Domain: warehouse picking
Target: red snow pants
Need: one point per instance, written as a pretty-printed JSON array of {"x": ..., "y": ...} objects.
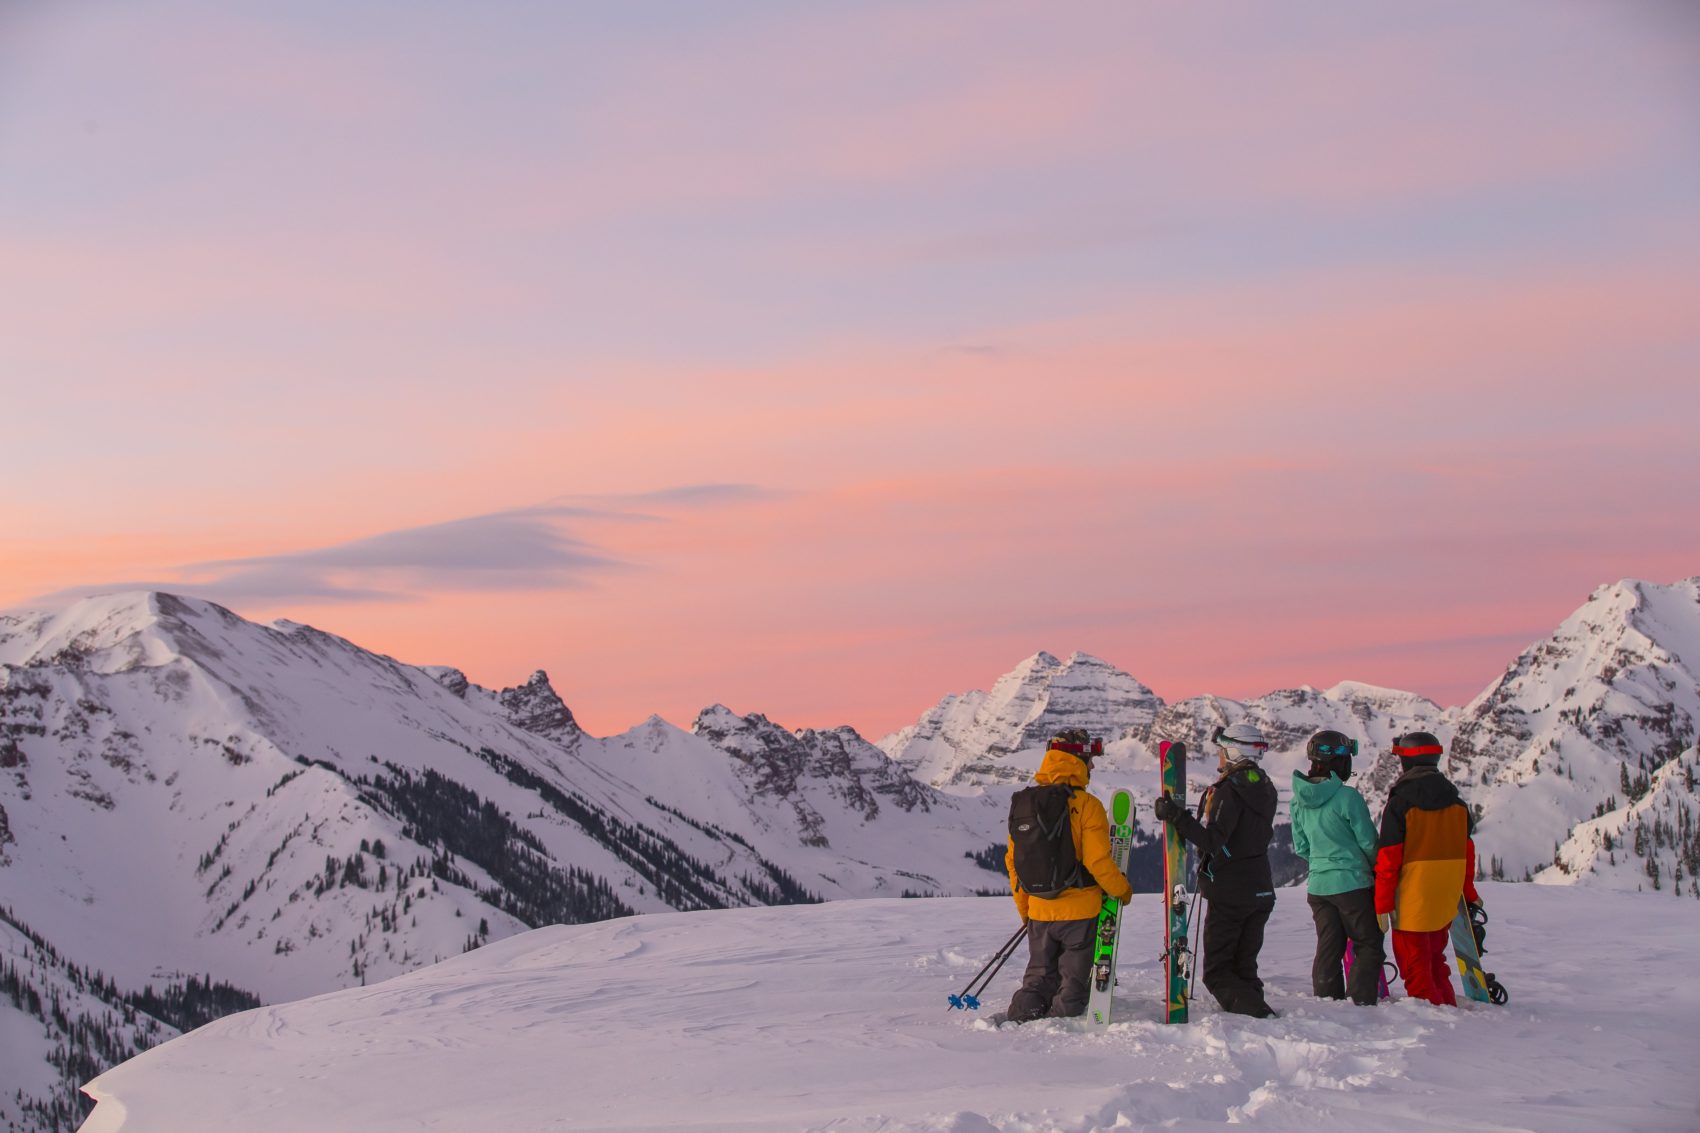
[{"x": 1421, "y": 957}]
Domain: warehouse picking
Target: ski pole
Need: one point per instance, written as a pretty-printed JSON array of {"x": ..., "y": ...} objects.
[
  {"x": 1197, "y": 937},
  {"x": 1010, "y": 951},
  {"x": 967, "y": 997}
]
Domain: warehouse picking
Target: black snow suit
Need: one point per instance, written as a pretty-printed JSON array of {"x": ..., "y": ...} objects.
[{"x": 1238, "y": 820}]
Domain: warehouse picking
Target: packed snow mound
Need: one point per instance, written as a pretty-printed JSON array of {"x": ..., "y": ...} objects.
[{"x": 833, "y": 1017}]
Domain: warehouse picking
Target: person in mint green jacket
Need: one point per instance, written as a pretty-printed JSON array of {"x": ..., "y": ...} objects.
[{"x": 1333, "y": 832}]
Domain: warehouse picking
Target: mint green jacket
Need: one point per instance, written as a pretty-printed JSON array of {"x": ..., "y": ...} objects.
[{"x": 1332, "y": 830}]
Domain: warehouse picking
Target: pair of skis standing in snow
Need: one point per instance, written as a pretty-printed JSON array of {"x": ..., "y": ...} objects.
[{"x": 1070, "y": 902}]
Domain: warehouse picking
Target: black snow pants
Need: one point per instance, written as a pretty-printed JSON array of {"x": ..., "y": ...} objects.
[
  {"x": 1341, "y": 917},
  {"x": 1233, "y": 936},
  {"x": 1059, "y": 970}
]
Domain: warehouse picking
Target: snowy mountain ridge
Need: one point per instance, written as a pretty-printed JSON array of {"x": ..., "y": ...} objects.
[
  {"x": 184, "y": 792},
  {"x": 1612, "y": 695}
]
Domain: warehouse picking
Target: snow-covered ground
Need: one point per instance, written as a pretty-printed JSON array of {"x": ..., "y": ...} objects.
[{"x": 833, "y": 1017}]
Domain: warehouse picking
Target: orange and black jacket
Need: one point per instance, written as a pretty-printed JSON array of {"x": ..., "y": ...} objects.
[
  {"x": 1090, "y": 827},
  {"x": 1425, "y": 859}
]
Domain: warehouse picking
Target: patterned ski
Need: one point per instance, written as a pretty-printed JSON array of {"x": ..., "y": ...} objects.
[
  {"x": 1479, "y": 984},
  {"x": 1110, "y": 914},
  {"x": 1177, "y": 958}
]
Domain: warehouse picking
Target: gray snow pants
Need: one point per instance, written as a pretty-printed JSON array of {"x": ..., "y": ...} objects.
[
  {"x": 1341, "y": 917},
  {"x": 1059, "y": 970}
]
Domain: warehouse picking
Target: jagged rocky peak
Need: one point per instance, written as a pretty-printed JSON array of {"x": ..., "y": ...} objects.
[
  {"x": 1043, "y": 696},
  {"x": 782, "y": 762},
  {"x": 717, "y": 722},
  {"x": 1621, "y": 672},
  {"x": 980, "y": 738},
  {"x": 449, "y": 677},
  {"x": 537, "y": 708}
]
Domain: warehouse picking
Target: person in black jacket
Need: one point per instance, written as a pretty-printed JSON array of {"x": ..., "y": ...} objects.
[{"x": 1238, "y": 819}]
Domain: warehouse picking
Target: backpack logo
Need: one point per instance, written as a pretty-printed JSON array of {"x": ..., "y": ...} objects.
[{"x": 1045, "y": 859}]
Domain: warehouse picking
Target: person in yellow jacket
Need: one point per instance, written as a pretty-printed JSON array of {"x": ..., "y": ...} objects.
[{"x": 1060, "y": 927}]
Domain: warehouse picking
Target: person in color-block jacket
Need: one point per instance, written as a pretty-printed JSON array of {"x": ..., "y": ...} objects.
[
  {"x": 1425, "y": 861},
  {"x": 1334, "y": 833},
  {"x": 1060, "y": 928}
]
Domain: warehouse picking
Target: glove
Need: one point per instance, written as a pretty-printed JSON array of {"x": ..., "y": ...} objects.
[
  {"x": 1384, "y": 921},
  {"x": 1167, "y": 809}
]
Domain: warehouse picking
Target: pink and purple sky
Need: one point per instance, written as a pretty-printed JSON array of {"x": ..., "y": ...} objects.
[{"x": 822, "y": 359}]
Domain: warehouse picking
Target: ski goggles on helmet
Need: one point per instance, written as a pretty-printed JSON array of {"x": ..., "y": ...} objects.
[
  {"x": 1229, "y": 741},
  {"x": 1090, "y": 749},
  {"x": 1347, "y": 749}
]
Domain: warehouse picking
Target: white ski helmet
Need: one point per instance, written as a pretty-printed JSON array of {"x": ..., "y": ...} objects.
[{"x": 1241, "y": 741}]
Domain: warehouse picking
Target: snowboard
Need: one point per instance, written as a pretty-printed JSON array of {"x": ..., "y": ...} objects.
[
  {"x": 1109, "y": 928},
  {"x": 1479, "y": 984},
  {"x": 1177, "y": 958}
]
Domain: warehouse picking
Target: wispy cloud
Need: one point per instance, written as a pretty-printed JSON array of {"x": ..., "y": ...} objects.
[{"x": 542, "y": 548}]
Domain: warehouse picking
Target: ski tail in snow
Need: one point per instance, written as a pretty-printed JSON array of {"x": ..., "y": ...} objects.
[
  {"x": 1108, "y": 932},
  {"x": 1177, "y": 957},
  {"x": 1479, "y": 983}
]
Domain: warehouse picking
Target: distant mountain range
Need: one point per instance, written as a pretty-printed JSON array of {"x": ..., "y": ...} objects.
[{"x": 272, "y": 811}]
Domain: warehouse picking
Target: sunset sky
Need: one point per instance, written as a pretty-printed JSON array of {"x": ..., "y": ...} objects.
[{"x": 822, "y": 359}]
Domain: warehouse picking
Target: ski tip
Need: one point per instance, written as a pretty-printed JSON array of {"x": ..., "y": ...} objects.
[{"x": 1163, "y": 747}]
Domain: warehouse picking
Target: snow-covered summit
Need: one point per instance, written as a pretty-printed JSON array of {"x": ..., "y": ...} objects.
[
  {"x": 977, "y": 739},
  {"x": 184, "y": 791},
  {"x": 105, "y": 634},
  {"x": 1613, "y": 694},
  {"x": 972, "y": 741}
]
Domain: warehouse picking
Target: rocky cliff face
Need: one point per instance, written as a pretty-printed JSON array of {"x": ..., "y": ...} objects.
[
  {"x": 1610, "y": 699},
  {"x": 979, "y": 739}
]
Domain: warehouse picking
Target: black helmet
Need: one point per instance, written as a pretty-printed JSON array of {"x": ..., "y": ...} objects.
[
  {"x": 1331, "y": 751},
  {"x": 1417, "y": 749}
]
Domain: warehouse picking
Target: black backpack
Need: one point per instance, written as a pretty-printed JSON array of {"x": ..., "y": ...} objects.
[{"x": 1045, "y": 861}]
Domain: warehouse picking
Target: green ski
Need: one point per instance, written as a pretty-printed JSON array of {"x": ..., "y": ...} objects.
[
  {"x": 1110, "y": 914},
  {"x": 1177, "y": 958}
]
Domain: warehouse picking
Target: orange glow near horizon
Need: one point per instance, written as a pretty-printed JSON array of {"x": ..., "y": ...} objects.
[{"x": 1241, "y": 362}]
